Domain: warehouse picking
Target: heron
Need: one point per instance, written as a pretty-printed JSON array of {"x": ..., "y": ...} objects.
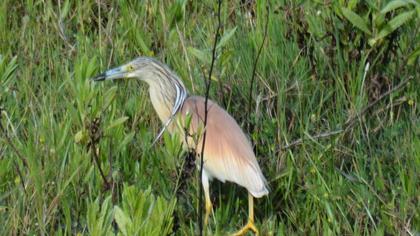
[{"x": 228, "y": 154}]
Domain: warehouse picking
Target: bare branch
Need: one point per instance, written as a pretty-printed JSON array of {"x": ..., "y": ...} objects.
[
  {"x": 254, "y": 69},
  {"x": 208, "y": 83},
  {"x": 95, "y": 135}
]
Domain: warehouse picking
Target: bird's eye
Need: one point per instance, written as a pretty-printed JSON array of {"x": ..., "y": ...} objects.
[{"x": 130, "y": 68}]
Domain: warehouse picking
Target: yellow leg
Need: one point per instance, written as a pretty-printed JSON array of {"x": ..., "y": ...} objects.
[
  {"x": 208, "y": 211},
  {"x": 250, "y": 225},
  {"x": 205, "y": 182}
]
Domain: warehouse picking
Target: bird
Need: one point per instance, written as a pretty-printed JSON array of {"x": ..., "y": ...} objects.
[{"x": 228, "y": 154}]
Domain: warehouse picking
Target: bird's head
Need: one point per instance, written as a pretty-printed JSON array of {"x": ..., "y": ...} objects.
[
  {"x": 167, "y": 91},
  {"x": 141, "y": 68}
]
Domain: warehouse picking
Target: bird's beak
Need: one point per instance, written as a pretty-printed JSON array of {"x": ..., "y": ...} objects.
[{"x": 116, "y": 73}]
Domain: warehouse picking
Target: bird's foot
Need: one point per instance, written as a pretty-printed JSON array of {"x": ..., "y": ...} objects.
[{"x": 249, "y": 226}]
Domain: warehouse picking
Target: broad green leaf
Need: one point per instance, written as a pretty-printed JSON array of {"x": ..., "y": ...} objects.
[
  {"x": 122, "y": 220},
  {"x": 378, "y": 19},
  {"x": 372, "y": 5},
  {"x": 226, "y": 37},
  {"x": 142, "y": 213},
  {"x": 91, "y": 67},
  {"x": 99, "y": 217},
  {"x": 413, "y": 56},
  {"x": 92, "y": 212},
  {"x": 6, "y": 70},
  {"x": 140, "y": 42},
  {"x": 394, "y": 24},
  {"x": 356, "y": 20},
  {"x": 109, "y": 97},
  {"x": 200, "y": 55},
  {"x": 352, "y": 4},
  {"x": 117, "y": 122},
  {"x": 392, "y": 5},
  {"x": 65, "y": 9},
  {"x": 128, "y": 138}
]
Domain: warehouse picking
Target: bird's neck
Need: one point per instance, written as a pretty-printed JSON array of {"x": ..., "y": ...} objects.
[
  {"x": 162, "y": 103},
  {"x": 167, "y": 96},
  {"x": 167, "y": 93}
]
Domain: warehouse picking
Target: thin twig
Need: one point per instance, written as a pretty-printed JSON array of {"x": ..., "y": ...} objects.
[
  {"x": 317, "y": 136},
  {"x": 208, "y": 83},
  {"x": 19, "y": 172},
  {"x": 110, "y": 161},
  {"x": 60, "y": 27},
  {"x": 9, "y": 141},
  {"x": 95, "y": 136},
  {"x": 96, "y": 159},
  {"x": 254, "y": 69},
  {"x": 351, "y": 121},
  {"x": 20, "y": 176}
]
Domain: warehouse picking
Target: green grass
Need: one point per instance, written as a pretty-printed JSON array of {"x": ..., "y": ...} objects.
[{"x": 310, "y": 79}]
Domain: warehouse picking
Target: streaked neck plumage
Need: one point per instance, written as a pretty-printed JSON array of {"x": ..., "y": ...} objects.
[{"x": 167, "y": 92}]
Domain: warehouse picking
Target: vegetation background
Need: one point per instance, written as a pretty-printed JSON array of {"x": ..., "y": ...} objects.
[{"x": 339, "y": 77}]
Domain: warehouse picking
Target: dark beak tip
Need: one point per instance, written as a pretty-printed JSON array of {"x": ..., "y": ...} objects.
[{"x": 99, "y": 77}]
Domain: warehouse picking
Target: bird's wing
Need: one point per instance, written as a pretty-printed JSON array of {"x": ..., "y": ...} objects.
[{"x": 228, "y": 154}]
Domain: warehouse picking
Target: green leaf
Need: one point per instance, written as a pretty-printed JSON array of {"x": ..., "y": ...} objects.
[
  {"x": 200, "y": 55},
  {"x": 413, "y": 56},
  {"x": 392, "y": 5},
  {"x": 393, "y": 24},
  {"x": 128, "y": 138},
  {"x": 99, "y": 217},
  {"x": 7, "y": 70},
  {"x": 142, "y": 213},
  {"x": 177, "y": 12},
  {"x": 356, "y": 20},
  {"x": 91, "y": 67},
  {"x": 117, "y": 122},
  {"x": 226, "y": 37},
  {"x": 352, "y": 4},
  {"x": 122, "y": 220},
  {"x": 140, "y": 42},
  {"x": 109, "y": 97},
  {"x": 65, "y": 9},
  {"x": 378, "y": 19}
]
